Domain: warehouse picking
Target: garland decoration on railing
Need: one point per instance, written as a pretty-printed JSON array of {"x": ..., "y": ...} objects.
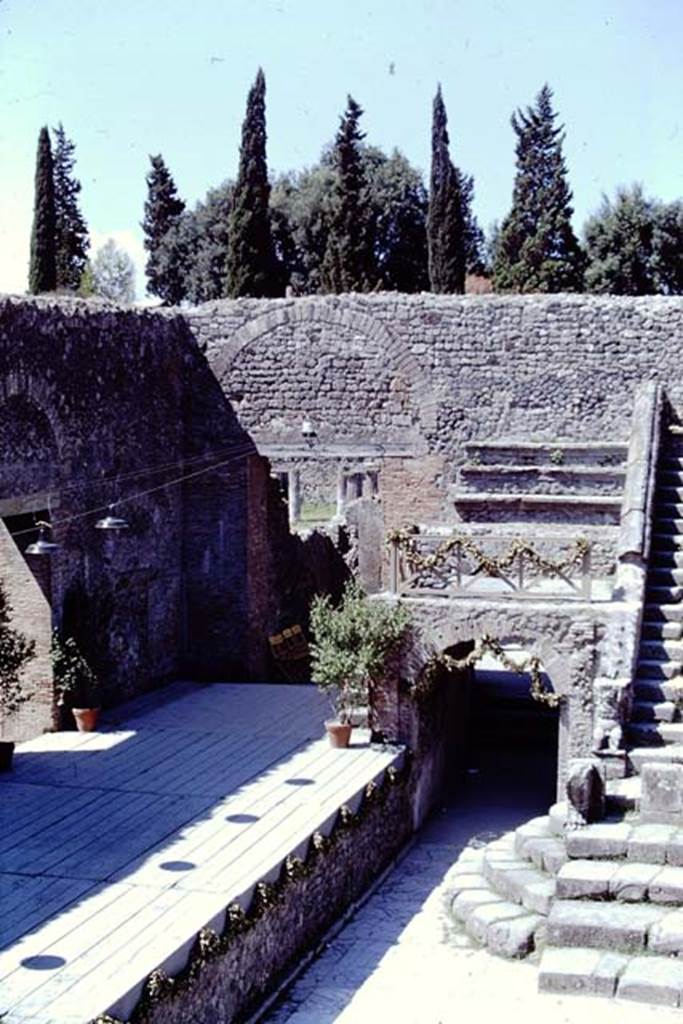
[
  {"x": 487, "y": 645},
  {"x": 407, "y": 541},
  {"x": 210, "y": 944}
]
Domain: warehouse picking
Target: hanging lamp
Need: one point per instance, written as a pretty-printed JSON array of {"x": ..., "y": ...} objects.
[
  {"x": 43, "y": 545},
  {"x": 112, "y": 522}
]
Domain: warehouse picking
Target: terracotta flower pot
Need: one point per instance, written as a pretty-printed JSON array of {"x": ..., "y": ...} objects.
[
  {"x": 85, "y": 718},
  {"x": 339, "y": 733},
  {"x": 6, "y": 754}
]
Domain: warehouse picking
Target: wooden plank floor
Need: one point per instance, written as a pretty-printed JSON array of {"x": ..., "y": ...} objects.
[{"x": 116, "y": 847}]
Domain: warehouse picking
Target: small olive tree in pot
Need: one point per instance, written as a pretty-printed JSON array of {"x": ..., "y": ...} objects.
[
  {"x": 351, "y": 643},
  {"x": 77, "y": 685},
  {"x": 15, "y": 652}
]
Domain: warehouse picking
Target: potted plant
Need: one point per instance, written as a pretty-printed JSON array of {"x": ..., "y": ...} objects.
[
  {"x": 78, "y": 687},
  {"x": 15, "y": 652},
  {"x": 350, "y": 646}
]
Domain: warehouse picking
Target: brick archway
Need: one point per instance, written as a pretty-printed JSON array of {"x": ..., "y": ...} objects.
[{"x": 331, "y": 314}]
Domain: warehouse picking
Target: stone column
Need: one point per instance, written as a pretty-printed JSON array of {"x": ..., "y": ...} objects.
[
  {"x": 341, "y": 492},
  {"x": 294, "y": 496}
]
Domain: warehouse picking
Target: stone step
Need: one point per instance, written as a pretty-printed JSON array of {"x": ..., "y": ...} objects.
[
  {"x": 537, "y": 843},
  {"x": 519, "y": 882},
  {"x": 620, "y": 927},
  {"x": 663, "y": 612},
  {"x": 661, "y": 576},
  {"x": 509, "y": 478},
  {"x": 669, "y": 754},
  {"x": 662, "y": 595},
  {"x": 661, "y": 650},
  {"x": 665, "y": 541},
  {"x": 655, "y": 734},
  {"x": 625, "y": 881},
  {"x": 662, "y": 630},
  {"x": 534, "y": 453},
  {"x": 623, "y": 794},
  {"x": 654, "y": 711},
  {"x": 650, "y": 668},
  {"x": 610, "y": 839},
  {"x": 667, "y": 495},
  {"x": 659, "y": 690},
  {"x": 594, "y": 972},
  {"x": 668, "y": 477},
  {"x": 505, "y": 928}
]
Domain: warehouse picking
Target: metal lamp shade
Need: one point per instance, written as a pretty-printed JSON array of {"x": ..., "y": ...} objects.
[
  {"x": 42, "y": 546},
  {"x": 111, "y": 522}
]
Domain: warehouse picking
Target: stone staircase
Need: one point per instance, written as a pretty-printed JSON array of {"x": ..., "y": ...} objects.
[
  {"x": 656, "y": 717},
  {"x": 601, "y": 906},
  {"x": 578, "y": 483}
]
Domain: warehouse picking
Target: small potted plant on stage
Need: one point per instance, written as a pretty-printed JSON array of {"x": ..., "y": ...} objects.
[
  {"x": 77, "y": 685},
  {"x": 351, "y": 643},
  {"x": 15, "y": 652}
]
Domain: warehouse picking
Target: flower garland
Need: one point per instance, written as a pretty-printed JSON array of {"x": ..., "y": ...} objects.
[
  {"x": 487, "y": 644},
  {"x": 210, "y": 944},
  {"x": 406, "y": 540}
]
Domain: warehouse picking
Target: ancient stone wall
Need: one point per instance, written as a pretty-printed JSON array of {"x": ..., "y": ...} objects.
[{"x": 99, "y": 406}]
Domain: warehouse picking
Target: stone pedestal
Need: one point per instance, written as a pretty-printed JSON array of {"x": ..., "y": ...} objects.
[{"x": 661, "y": 797}]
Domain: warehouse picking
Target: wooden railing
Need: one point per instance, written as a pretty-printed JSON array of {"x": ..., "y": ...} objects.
[{"x": 431, "y": 565}]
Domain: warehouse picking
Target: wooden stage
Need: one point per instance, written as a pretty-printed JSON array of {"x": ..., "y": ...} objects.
[{"x": 116, "y": 847}]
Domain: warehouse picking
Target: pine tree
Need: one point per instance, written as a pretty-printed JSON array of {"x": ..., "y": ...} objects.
[
  {"x": 42, "y": 275},
  {"x": 71, "y": 232},
  {"x": 347, "y": 264},
  {"x": 445, "y": 220},
  {"x": 163, "y": 209},
  {"x": 538, "y": 250},
  {"x": 251, "y": 266}
]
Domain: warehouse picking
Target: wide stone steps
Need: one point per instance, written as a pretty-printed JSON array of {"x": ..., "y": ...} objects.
[
  {"x": 625, "y": 881},
  {"x": 662, "y": 630},
  {"x": 661, "y": 650},
  {"x": 655, "y": 734},
  {"x": 659, "y": 690},
  {"x": 664, "y": 576},
  {"x": 654, "y": 669},
  {"x": 663, "y": 612},
  {"x": 619, "y": 927},
  {"x": 654, "y": 711},
  {"x": 583, "y": 971},
  {"x": 607, "y": 840},
  {"x": 656, "y": 594},
  {"x": 668, "y": 754}
]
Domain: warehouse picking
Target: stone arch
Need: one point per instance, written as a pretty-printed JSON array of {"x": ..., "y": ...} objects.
[
  {"x": 332, "y": 313},
  {"x": 507, "y": 630},
  {"x": 29, "y": 446}
]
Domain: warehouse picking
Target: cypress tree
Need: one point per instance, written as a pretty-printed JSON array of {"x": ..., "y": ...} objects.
[
  {"x": 42, "y": 275},
  {"x": 538, "y": 250},
  {"x": 163, "y": 210},
  {"x": 71, "y": 232},
  {"x": 251, "y": 265},
  {"x": 446, "y": 216},
  {"x": 347, "y": 263}
]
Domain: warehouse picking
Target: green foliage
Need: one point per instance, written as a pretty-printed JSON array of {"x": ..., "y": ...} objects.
[
  {"x": 201, "y": 235},
  {"x": 113, "y": 274},
  {"x": 76, "y": 684},
  {"x": 251, "y": 267},
  {"x": 351, "y": 644},
  {"x": 537, "y": 250},
  {"x": 635, "y": 246},
  {"x": 446, "y": 219},
  {"x": 163, "y": 209},
  {"x": 15, "y": 652},
  {"x": 42, "y": 274},
  {"x": 347, "y": 263},
  {"x": 71, "y": 232},
  {"x": 86, "y": 288}
]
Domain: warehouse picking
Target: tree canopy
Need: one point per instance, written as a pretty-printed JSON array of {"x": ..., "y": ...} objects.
[
  {"x": 71, "y": 231},
  {"x": 42, "y": 275},
  {"x": 446, "y": 220},
  {"x": 347, "y": 264},
  {"x": 635, "y": 245},
  {"x": 163, "y": 209},
  {"x": 251, "y": 266},
  {"x": 537, "y": 250},
  {"x": 113, "y": 274}
]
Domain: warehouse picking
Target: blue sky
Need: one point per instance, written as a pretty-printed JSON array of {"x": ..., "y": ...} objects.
[{"x": 136, "y": 77}]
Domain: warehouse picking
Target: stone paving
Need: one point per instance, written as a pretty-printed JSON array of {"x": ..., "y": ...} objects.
[{"x": 402, "y": 958}]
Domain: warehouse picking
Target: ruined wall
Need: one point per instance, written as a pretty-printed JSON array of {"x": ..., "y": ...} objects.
[
  {"x": 437, "y": 369},
  {"x": 99, "y": 405}
]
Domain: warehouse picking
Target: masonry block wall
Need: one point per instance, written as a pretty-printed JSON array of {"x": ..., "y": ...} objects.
[{"x": 98, "y": 405}]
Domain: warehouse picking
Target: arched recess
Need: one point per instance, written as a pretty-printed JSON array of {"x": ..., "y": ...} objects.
[
  {"x": 336, "y": 314},
  {"x": 29, "y": 450}
]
